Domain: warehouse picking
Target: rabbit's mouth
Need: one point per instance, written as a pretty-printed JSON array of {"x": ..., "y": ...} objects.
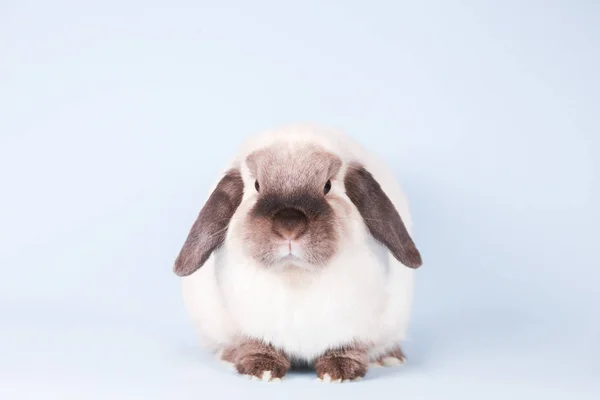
[
  {"x": 294, "y": 263},
  {"x": 289, "y": 250},
  {"x": 291, "y": 254},
  {"x": 291, "y": 258}
]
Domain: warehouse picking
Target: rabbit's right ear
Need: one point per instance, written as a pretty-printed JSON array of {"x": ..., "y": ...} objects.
[
  {"x": 209, "y": 231},
  {"x": 380, "y": 215}
]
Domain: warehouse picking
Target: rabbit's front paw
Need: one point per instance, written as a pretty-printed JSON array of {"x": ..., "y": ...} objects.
[
  {"x": 260, "y": 361},
  {"x": 342, "y": 365}
]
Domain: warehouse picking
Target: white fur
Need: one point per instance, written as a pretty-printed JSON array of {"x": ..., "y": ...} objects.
[
  {"x": 364, "y": 294},
  {"x": 391, "y": 361}
]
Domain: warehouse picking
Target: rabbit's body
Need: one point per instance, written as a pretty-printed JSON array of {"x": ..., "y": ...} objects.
[
  {"x": 363, "y": 295},
  {"x": 357, "y": 297}
]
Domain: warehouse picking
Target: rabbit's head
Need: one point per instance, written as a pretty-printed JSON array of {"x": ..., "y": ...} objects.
[{"x": 294, "y": 202}]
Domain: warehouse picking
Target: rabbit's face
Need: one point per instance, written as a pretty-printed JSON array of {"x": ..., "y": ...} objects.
[{"x": 295, "y": 215}]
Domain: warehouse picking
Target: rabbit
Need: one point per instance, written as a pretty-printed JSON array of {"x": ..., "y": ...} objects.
[{"x": 302, "y": 254}]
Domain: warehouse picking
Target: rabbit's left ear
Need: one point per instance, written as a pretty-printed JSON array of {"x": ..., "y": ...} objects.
[
  {"x": 209, "y": 231},
  {"x": 380, "y": 215}
]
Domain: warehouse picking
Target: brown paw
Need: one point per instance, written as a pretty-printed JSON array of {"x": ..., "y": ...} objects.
[
  {"x": 392, "y": 358},
  {"x": 259, "y": 361},
  {"x": 341, "y": 366},
  {"x": 261, "y": 367}
]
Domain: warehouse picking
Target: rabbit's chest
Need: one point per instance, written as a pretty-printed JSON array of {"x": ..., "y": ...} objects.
[{"x": 302, "y": 314}]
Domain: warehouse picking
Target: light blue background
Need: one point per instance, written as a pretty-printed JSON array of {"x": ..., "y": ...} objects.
[{"x": 116, "y": 116}]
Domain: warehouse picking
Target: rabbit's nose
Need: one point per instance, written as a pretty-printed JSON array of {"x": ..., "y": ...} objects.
[{"x": 290, "y": 223}]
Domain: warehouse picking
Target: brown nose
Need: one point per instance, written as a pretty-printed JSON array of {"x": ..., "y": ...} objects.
[{"x": 290, "y": 223}]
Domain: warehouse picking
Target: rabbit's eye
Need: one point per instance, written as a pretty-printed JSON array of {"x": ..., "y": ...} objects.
[
  {"x": 327, "y": 187},
  {"x": 256, "y": 186}
]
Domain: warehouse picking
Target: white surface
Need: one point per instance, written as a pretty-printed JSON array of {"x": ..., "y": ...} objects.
[{"x": 115, "y": 118}]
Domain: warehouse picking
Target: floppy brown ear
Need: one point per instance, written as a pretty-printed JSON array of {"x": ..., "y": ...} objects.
[
  {"x": 380, "y": 215},
  {"x": 209, "y": 231}
]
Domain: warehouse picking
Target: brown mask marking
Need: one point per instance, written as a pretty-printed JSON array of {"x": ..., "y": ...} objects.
[
  {"x": 380, "y": 215},
  {"x": 209, "y": 231},
  {"x": 291, "y": 203},
  {"x": 290, "y": 223}
]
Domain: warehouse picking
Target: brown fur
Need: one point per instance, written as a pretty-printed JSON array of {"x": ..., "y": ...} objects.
[
  {"x": 380, "y": 215},
  {"x": 290, "y": 223},
  {"x": 229, "y": 354},
  {"x": 253, "y": 357},
  {"x": 346, "y": 363},
  {"x": 209, "y": 231},
  {"x": 291, "y": 203}
]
